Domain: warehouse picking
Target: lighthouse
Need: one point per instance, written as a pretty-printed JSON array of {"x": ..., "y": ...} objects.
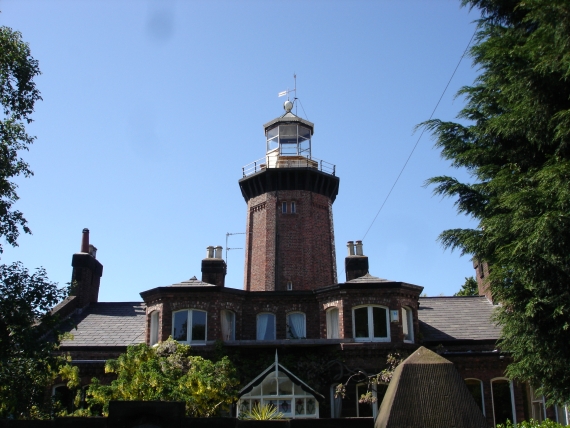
[{"x": 289, "y": 195}]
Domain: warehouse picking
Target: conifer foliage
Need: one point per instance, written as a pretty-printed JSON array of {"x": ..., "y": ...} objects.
[{"x": 514, "y": 140}]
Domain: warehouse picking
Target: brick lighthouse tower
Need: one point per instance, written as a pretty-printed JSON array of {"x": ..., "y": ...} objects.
[{"x": 289, "y": 195}]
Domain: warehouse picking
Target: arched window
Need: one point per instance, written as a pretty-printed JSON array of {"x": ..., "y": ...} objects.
[
  {"x": 63, "y": 395},
  {"x": 370, "y": 323},
  {"x": 296, "y": 325},
  {"x": 332, "y": 323},
  {"x": 189, "y": 326},
  {"x": 228, "y": 325},
  {"x": 475, "y": 387},
  {"x": 408, "y": 324},
  {"x": 153, "y": 328},
  {"x": 266, "y": 326},
  {"x": 502, "y": 395}
]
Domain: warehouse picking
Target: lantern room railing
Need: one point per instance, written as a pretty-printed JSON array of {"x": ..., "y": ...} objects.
[{"x": 288, "y": 162}]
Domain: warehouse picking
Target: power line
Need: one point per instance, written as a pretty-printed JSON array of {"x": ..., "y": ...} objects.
[{"x": 420, "y": 137}]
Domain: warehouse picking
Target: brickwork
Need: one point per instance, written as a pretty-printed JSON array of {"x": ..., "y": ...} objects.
[
  {"x": 296, "y": 248},
  {"x": 85, "y": 279},
  {"x": 482, "y": 277}
]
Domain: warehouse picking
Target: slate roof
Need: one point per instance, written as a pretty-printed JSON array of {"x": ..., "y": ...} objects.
[
  {"x": 367, "y": 279},
  {"x": 457, "y": 318},
  {"x": 107, "y": 324},
  {"x": 192, "y": 282}
]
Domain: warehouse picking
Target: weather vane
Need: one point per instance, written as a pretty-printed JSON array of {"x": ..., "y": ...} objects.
[{"x": 282, "y": 94}]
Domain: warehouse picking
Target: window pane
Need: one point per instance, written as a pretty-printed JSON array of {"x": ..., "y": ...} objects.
[
  {"x": 198, "y": 326},
  {"x": 304, "y": 132},
  {"x": 228, "y": 325},
  {"x": 295, "y": 326},
  {"x": 380, "y": 326},
  {"x": 272, "y": 133},
  {"x": 266, "y": 327},
  {"x": 364, "y": 409},
  {"x": 502, "y": 401},
  {"x": 154, "y": 328},
  {"x": 332, "y": 323},
  {"x": 361, "y": 322},
  {"x": 180, "y": 326},
  {"x": 474, "y": 387}
]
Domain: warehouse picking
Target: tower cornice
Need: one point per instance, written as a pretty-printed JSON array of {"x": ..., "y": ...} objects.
[{"x": 274, "y": 179}]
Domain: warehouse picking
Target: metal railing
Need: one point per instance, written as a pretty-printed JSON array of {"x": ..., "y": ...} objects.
[{"x": 285, "y": 162}]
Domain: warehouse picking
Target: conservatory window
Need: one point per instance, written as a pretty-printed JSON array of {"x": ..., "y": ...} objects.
[
  {"x": 279, "y": 390},
  {"x": 154, "y": 328},
  {"x": 228, "y": 325},
  {"x": 371, "y": 324},
  {"x": 265, "y": 326},
  {"x": 408, "y": 324},
  {"x": 296, "y": 325},
  {"x": 189, "y": 326},
  {"x": 332, "y": 323}
]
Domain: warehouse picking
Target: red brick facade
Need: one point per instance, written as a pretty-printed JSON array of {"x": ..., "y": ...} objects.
[{"x": 295, "y": 248}]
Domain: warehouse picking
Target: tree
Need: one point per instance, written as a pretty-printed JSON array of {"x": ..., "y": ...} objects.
[
  {"x": 516, "y": 146},
  {"x": 18, "y": 95},
  {"x": 167, "y": 372},
  {"x": 27, "y": 364},
  {"x": 469, "y": 288}
]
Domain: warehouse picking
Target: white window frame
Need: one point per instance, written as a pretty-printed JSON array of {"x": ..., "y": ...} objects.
[
  {"x": 371, "y": 337},
  {"x": 153, "y": 338},
  {"x": 330, "y": 322},
  {"x": 408, "y": 323},
  {"x": 482, "y": 392},
  {"x": 233, "y": 332},
  {"x": 304, "y": 332},
  {"x": 274, "y": 325},
  {"x": 189, "y": 327},
  {"x": 513, "y": 409}
]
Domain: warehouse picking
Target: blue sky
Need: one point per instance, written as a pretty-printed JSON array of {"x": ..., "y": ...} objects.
[{"x": 151, "y": 108}]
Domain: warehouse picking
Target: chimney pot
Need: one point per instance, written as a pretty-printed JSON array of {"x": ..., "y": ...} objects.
[
  {"x": 359, "y": 248},
  {"x": 219, "y": 252},
  {"x": 93, "y": 251},
  {"x": 210, "y": 252},
  {"x": 350, "y": 246},
  {"x": 85, "y": 241}
]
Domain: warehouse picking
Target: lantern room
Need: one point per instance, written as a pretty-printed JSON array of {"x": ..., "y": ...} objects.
[{"x": 288, "y": 139}]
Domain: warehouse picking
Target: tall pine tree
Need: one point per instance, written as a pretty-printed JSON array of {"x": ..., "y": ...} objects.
[{"x": 516, "y": 146}]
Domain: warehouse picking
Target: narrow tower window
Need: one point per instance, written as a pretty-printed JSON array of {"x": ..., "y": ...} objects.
[
  {"x": 293, "y": 208},
  {"x": 284, "y": 207}
]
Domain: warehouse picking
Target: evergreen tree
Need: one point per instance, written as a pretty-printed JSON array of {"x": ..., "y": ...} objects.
[
  {"x": 469, "y": 288},
  {"x": 516, "y": 146}
]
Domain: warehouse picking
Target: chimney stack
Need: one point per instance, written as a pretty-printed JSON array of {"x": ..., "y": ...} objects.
[
  {"x": 356, "y": 263},
  {"x": 86, "y": 273},
  {"x": 214, "y": 267}
]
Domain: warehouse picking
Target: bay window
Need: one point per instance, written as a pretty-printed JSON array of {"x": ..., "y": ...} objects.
[
  {"x": 189, "y": 326},
  {"x": 370, "y": 323}
]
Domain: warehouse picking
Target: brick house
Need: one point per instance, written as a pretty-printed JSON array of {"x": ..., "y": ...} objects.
[{"x": 293, "y": 305}]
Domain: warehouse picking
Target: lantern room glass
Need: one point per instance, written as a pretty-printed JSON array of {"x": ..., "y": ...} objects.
[{"x": 289, "y": 139}]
